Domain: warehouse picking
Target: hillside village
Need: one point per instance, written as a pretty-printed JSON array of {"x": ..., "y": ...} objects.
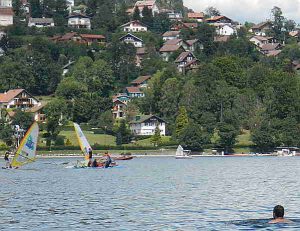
[{"x": 200, "y": 77}]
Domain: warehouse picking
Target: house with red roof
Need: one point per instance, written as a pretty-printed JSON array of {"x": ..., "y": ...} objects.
[
  {"x": 134, "y": 92},
  {"x": 94, "y": 39},
  {"x": 141, "y": 81},
  {"x": 18, "y": 99},
  {"x": 199, "y": 17},
  {"x": 134, "y": 26},
  {"x": 219, "y": 20}
]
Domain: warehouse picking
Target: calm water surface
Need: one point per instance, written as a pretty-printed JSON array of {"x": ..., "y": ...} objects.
[{"x": 151, "y": 194}]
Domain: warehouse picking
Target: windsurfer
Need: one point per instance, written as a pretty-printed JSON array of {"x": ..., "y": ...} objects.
[
  {"x": 6, "y": 158},
  {"x": 108, "y": 160}
]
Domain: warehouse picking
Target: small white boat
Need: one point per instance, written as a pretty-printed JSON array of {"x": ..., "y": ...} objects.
[{"x": 182, "y": 154}]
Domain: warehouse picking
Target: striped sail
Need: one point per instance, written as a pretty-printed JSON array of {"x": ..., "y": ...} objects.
[
  {"x": 26, "y": 152},
  {"x": 84, "y": 144}
]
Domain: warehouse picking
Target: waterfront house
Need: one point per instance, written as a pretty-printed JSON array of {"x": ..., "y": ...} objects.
[
  {"x": 199, "y": 17},
  {"x": 141, "y": 81},
  {"x": 261, "y": 28},
  {"x": 134, "y": 26},
  {"x": 6, "y": 16},
  {"x": 18, "y": 99},
  {"x": 186, "y": 60},
  {"x": 79, "y": 21},
  {"x": 41, "y": 22},
  {"x": 171, "y": 35},
  {"x": 134, "y": 92},
  {"x": 131, "y": 39},
  {"x": 145, "y": 125}
]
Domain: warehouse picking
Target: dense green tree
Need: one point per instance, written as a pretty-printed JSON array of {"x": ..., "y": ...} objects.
[
  {"x": 182, "y": 121},
  {"x": 147, "y": 17},
  {"x": 123, "y": 134},
  {"x": 23, "y": 119},
  {"x": 156, "y": 138},
  {"x": 69, "y": 88},
  {"x": 212, "y": 11},
  {"x": 136, "y": 14}
]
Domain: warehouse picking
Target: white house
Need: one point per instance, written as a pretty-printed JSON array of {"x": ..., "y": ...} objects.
[
  {"x": 134, "y": 26},
  {"x": 145, "y": 125},
  {"x": 119, "y": 109},
  {"x": 17, "y": 98},
  {"x": 225, "y": 30},
  {"x": 261, "y": 28},
  {"x": 219, "y": 20},
  {"x": 131, "y": 39},
  {"x": 6, "y": 16},
  {"x": 175, "y": 16},
  {"x": 261, "y": 40},
  {"x": 41, "y": 22},
  {"x": 79, "y": 21},
  {"x": 5, "y": 3},
  {"x": 150, "y": 4}
]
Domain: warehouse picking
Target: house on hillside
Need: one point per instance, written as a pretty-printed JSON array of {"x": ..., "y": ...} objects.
[
  {"x": 119, "y": 109},
  {"x": 219, "y": 20},
  {"x": 134, "y": 26},
  {"x": 145, "y": 125},
  {"x": 199, "y": 17},
  {"x": 177, "y": 26},
  {"x": 122, "y": 97},
  {"x": 6, "y": 16},
  {"x": 259, "y": 41},
  {"x": 271, "y": 49},
  {"x": 152, "y": 5},
  {"x": 41, "y": 22},
  {"x": 93, "y": 39},
  {"x": 38, "y": 112},
  {"x": 174, "y": 16},
  {"x": 193, "y": 45},
  {"x": 131, "y": 39},
  {"x": 186, "y": 60},
  {"x": 167, "y": 51},
  {"x": 222, "y": 38},
  {"x": 69, "y": 37},
  {"x": 179, "y": 42},
  {"x": 261, "y": 28},
  {"x": 141, "y": 81},
  {"x": 140, "y": 54},
  {"x": 171, "y": 35},
  {"x": 79, "y": 21},
  {"x": 134, "y": 92},
  {"x": 18, "y": 99},
  {"x": 225, "y": 30}
]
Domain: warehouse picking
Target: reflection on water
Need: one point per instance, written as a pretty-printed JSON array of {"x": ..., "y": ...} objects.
[{"x": 151, "y": 194}]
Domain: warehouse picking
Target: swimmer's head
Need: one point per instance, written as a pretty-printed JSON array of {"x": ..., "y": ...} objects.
[{"x": 278, "y": 211}]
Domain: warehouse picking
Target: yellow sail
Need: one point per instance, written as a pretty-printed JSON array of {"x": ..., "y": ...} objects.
[
  {"x": 26, "y": 152},
  {"x": 83, "y": 142}
]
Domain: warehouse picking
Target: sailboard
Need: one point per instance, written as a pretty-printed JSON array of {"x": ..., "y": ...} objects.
[
  {"x": 182, "y": 154},
  {"x": 83, "y": 142},
  {"x": 26, "y": 152}
]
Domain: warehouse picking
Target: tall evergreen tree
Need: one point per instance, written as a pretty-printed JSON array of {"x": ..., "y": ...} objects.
[
  {"x": 182, "y": 121},
  {"x": 136, "y": 14}
]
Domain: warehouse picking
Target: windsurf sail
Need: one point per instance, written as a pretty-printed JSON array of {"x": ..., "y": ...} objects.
[
  {"x": 179, "y": 151},
  {"x": 26, "y": 152},
  {"x": 83, "y": 142}
]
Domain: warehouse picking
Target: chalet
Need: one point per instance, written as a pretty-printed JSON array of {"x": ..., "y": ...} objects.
[
  {"x": 179, "y": 42},
  {"x": 17, "y": 98},
  {"x": 79, "y": 21},
  {"x": 222, "y": 38},
  {"x": 38, "y": 112},
  {"x": 219, "y": 20},
  {"x": 145, "y": 125},
  {"x": 167, "y": 50},
  {"x": 199, "y": 17},
  {"x": 150, "y": 4},
  {"x": 194, "y": 44},
  {"x": 261, "y": 28},
  {"x": 41, "y": 22},
  {"x": 259, "y": 41},
  {"x": 225, "y": 30},
  {"x": 184, "y": 60},
  {"x": 140, "y": 53},
  {"x": 119, "y": 109},
  {"x": 131, "y": 39},
  {"x": 6, "y": 16},
  {"x": 141, "y": 82},
  {"x": 69, "y": 37},
  {"x": 175, "y": 16},
  {"x": 177, "y": 26},
  {"x": 171, "y": 35},
  {"x": 134, "y": 92},
  {"x": 93, "y": 39},
  {"x": 269, "y": 48},
  {"x": 134, "y": 26},
  {"x": 273, "y": 53}
]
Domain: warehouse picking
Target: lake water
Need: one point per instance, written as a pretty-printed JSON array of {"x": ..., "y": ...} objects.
[{"x": 152, "y": 193}]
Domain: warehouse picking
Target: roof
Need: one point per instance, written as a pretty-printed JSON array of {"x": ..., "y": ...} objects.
[
  {"x": 92, "y": 36},
  {"x": 190, "y": 24},
  {"x": 6, "y": 11},
  {"x": 261, "y": 38},
  {"x": 274, "y": 53},
  {"x": 144, "y": 3},
  {"x": 11, "y": 94},
  {"x": 133, "y": 90},
  {"x": 223, "y": 38},
  {"x": 183, "y": 56},
  {"x": 260, "y": 25},
  {"x": 270, "y": 46},
  {"x": 169, "y": 48},
  {"x": 141, "y": 79},
  {"x": 131, "y": 35},
  {"x": 68, "y": 36},
  {"x": 134, "y": 22},
  {"x": 217, "y": 18},
  {"x": 36, "y": 108},
  {"x": 196, "y": 15},
  {"x": 294, "y": 33},
  {"x": 141, "y": 51},
  {"x": 41, "y": 20},
  {"x": 143, "y": 118},
  {"x": 171, "y": 33},
  {"x": 118, "y": 101},
  {"x": 79, "y": 15},
  {"x": 173, "y": 41},
  {"x": 191, "y": 42}
]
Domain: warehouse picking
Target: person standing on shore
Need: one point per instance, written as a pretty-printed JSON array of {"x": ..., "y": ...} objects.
[{"x": 278, "y": 215}]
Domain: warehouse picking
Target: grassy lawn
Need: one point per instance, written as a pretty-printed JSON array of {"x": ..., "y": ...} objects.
[
  {"x": 244, "y": 139},
  {"x": 147, "y": 142}
]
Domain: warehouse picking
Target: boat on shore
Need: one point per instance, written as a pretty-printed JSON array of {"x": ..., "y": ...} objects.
[
  {"x": 183, "y": 154},
  {"x": 127, "y": 157}
]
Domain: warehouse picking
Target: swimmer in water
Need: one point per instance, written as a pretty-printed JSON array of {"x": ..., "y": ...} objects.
[{"x": 278, "y": 213}]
